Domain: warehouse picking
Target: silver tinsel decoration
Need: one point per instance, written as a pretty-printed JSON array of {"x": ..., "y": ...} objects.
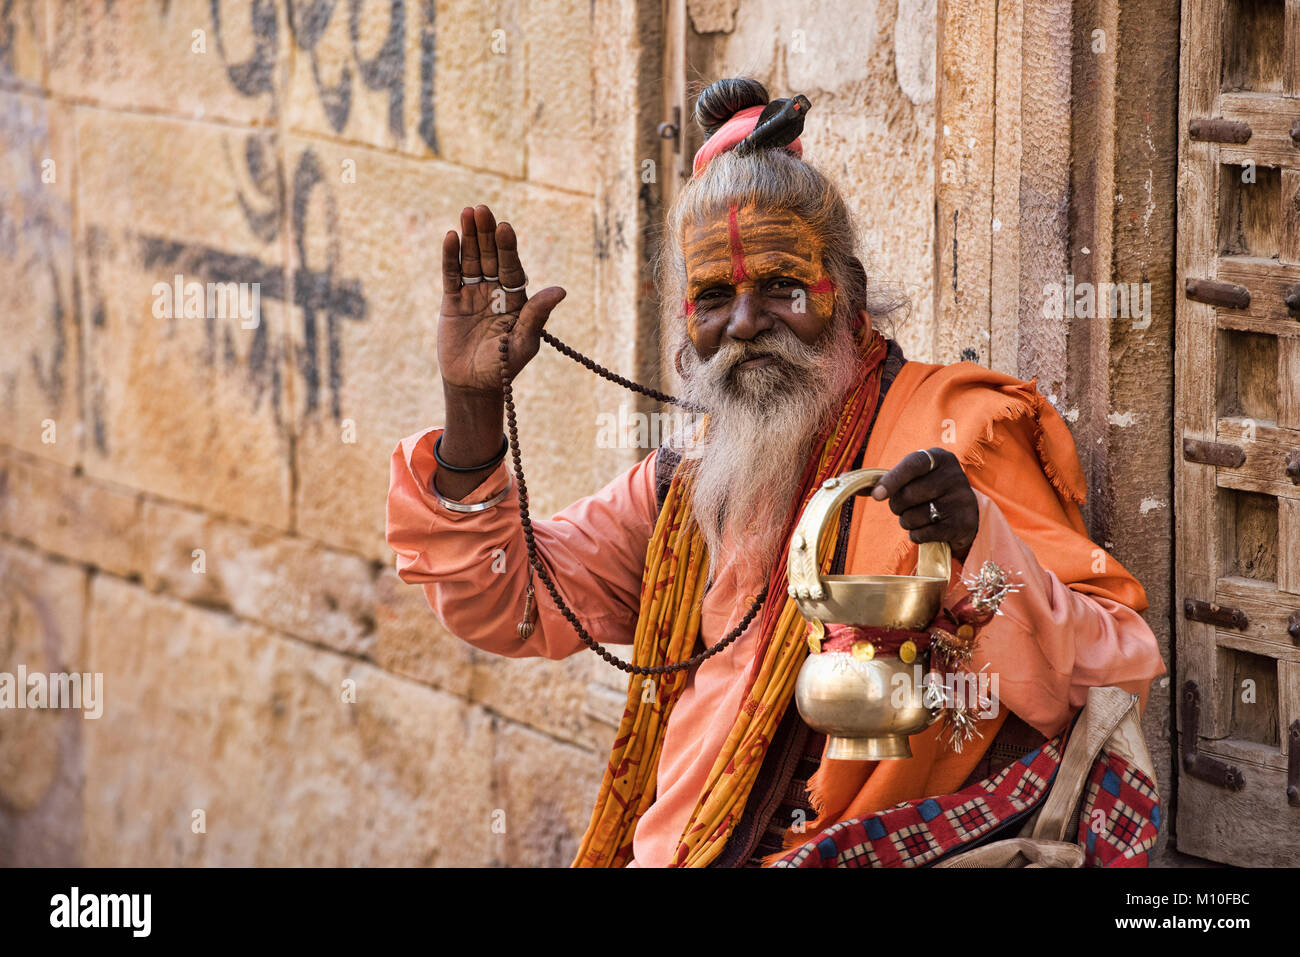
[
  {"x": 960, "y": 727},
  {"x": 952, "y": 654},
  {"x": 989, "y": 586}
]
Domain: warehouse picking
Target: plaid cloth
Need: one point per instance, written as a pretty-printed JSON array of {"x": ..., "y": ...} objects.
[
  {"x": 1118, "y": 822},
  {"x": 916, "y": 833},
  {"x": 1120, "y": 817}
]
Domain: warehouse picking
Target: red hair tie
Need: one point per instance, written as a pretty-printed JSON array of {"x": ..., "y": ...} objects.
[{"x": 729, "y": 136}]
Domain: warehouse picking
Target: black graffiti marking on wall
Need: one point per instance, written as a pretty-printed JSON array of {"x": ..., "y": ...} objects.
[
  {"x": 321, "y": 297},
  {"x": 34, "y": 218},
  {"x": 255, "y": 75},
  {"x": 312, "y": 295},
  {"x": 193, "y": 261},
  {"x": 308, "y": 21},
  {"x": 207, "y": 264},
  {"x": 95, "y": 245},
  {"x": 384, "y": 72},
  {"x": 51, "y": 380},
  {"x": 428, "y": 59},
  {"x": 260, "y": 157},
  {"x": 7, "y": 36},
  {"x": 318, "y": 291},
  {"x": 307, "y": 29},
  {"x": 387, "y": 70}
]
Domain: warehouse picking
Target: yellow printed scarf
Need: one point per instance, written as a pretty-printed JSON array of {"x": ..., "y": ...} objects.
[{"x": 672, "y": 595}]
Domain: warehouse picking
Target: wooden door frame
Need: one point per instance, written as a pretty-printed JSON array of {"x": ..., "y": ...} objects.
[
  {"x": 1078, "y": 101},
  {"x": 1241, "y": 820}
]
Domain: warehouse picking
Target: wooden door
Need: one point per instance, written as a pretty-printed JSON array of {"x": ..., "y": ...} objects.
[{"x": 1237, "y": 432}]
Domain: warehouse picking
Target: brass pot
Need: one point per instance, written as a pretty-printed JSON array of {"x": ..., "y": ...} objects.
[{"x": 866, "y": 707}]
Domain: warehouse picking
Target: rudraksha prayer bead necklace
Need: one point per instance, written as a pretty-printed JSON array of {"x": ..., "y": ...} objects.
[{"x": 530, "y": 610}]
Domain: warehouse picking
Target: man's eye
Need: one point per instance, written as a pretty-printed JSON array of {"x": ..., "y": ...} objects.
[
  {"x": 709, "y": 294},
  {"x": 784, "y": 285}
]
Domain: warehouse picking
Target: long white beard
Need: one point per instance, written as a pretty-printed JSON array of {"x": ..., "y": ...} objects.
[{"x": 762, "y": 423}]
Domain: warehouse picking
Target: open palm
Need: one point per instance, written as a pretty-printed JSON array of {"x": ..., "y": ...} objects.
[{"x": 479, "y": 265}]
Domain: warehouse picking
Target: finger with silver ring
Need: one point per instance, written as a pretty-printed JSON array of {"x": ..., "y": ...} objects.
[
  {"x": 451, "y": 281},
  {"x": 512, "y": 278},
  {"x": 929, "y": 458},
  {"x": 935, "y": 516},
  {"x": 920, "y": 517}
]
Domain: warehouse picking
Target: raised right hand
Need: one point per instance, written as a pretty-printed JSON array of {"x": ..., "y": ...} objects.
[{"x": 474, "y": 317}]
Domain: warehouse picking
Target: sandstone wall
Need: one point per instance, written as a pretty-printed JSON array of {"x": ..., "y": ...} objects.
[
  {"x": 868, "y": 69},
  {"x": 195, "y": 508}
]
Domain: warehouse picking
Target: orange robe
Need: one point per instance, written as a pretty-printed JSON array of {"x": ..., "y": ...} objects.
[{"x": 1074, "y": 624}]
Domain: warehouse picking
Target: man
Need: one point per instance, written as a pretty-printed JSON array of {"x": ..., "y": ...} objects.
[{"x": 773, "y": 317}]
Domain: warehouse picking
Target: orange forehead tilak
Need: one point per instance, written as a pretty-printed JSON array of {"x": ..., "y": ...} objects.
[{"x": 750, "y": 246}]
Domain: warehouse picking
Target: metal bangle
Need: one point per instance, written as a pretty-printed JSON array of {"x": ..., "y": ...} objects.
[
  {"x": 477, "y": 506},
  {"x": 500, "y": 456}
]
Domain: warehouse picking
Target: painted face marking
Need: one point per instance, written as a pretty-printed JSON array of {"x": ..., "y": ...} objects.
[
  {"x": 692, "y": 323},
  {"x": 738, "y": 273},
  {"x": 764, "y": 254}
]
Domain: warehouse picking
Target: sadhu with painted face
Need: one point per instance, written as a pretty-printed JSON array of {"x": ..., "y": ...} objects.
[{"x": 772, "y": 316}]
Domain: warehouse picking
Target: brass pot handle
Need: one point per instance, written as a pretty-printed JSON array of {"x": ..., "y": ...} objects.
[{"x": 934, "y": 559}]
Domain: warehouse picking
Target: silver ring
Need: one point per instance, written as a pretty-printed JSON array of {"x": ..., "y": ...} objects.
[
  {"x": 934, "y": 513},
  {"x": 928, "y": 456},
  {"x": 477, "y": 506},
  {"x": 519, "y": 288},
  {"x": 490, "y": 278},
  {"x": 470, "y": 280}
]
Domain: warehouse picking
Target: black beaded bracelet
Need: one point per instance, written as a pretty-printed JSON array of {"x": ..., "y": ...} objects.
[{"x": 473, "y": 468}]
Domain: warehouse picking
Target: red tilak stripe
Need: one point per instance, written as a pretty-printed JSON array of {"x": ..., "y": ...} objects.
[
  {"x": 738, "y": 273},
  {"x": 825, "y": 284}
]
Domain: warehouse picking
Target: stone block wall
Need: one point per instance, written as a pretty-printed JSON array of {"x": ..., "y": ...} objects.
[
  {"x": 869, "y": 70},
  {"x": 194, "y": 507}
]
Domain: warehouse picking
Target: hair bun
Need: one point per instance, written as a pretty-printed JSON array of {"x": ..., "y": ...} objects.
[{"x": 723, "y": 99}]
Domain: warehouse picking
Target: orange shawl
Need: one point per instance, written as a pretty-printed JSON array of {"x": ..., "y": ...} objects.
[{"x": 967, "y": 409}]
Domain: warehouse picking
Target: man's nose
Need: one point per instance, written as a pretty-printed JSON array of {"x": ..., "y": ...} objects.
[{"x": 748, "y": 317}]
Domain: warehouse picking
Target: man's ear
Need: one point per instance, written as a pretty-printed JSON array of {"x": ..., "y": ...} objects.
[{"x": 677, "y": 359}]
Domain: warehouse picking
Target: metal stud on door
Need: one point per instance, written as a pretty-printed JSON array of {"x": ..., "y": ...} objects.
[{"x": 1237, "y": 432}]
